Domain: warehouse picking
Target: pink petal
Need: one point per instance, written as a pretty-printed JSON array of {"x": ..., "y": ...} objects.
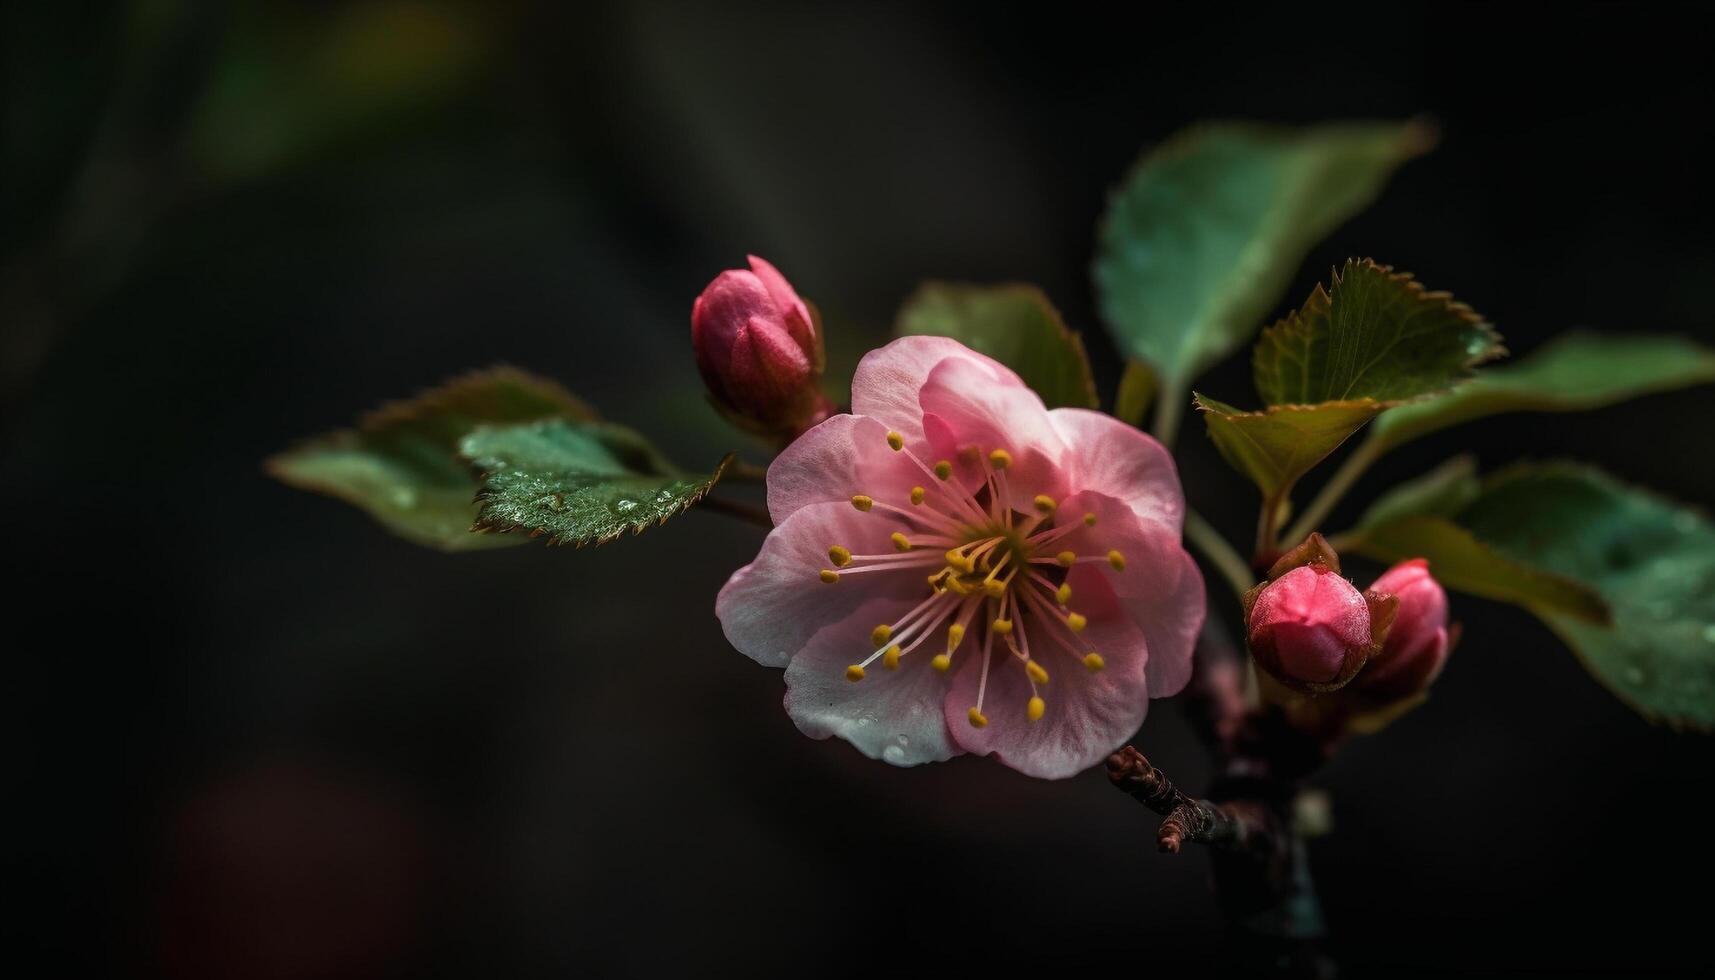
[
  {"x": 771, "y": 607},
  {"x": 843, "y": 456},
  {"x": 1087, "y": 715},
  {"x": 768, "y": 372},
  {"x": 892, "y": 715},
  {"x": 792, "y": 309},
  {"x": 888, "y": 380},
  {"x": 1110, "y": 457},
  {"x": 1160, "y": 588},
  {"x": 723, "y": 309},
  {"x": 967, "y": 413}
]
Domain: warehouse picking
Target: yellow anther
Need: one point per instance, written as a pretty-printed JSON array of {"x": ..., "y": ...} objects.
[
  {"x": 863, "y": 502},
  {"x": 1066, "y": 558},
  {"x": 1064, "y": 594},
  {"x": 881, "y": 634},
  {"x": 1035, "y": 709},
  {"x": 841, "y": 557},
  {"x": 1000, "y": 459},
  {"x": 1002, "y": 626},
  {"x": 960, "y": 561},
  {"x": 977, "y": 718},
  {"x": 917, "y": 495},
  {"x": 1076, "y": 622},
  {"x": 890, "y": 659},
  {"x": 1044, "y": 503},
  {"x": 955, "y": 636},
  {"x": 1117, "y": 560},
  {"x": 943, "y": 469},
  {"x": 941, "y": 662},
  {"x": 935, "y": 581},
  {"x": 829, "y": 576},
  {"x": 958, "y": 587},
  {"x": 1090, "y": 519},
  {"x": 994, "y": 588},
  {"x": 1036, "y": 672},
  {"x": 854, "y": 673},
  {"x": 895, "y": 441},
  {"x": 901, "y": 542},
  {"x": 1094, "y": 662}
]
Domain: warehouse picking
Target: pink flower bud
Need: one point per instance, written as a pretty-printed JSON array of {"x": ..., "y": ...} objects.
[
  {"x": 759, "y": 350},
  {"x": 1310, "y": 628},
  {"x": 1417, "y": 644}
]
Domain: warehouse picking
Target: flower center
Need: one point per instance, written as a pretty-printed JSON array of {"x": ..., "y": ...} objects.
[{"x": 980, "y": 556}]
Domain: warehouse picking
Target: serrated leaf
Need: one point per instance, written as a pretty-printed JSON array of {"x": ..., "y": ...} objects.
[
  {"x": 1206, "y": 232},
  {"x": 1013, "y": 323},
  {"x": 1375, "y": 334},
  {"x": 1577, "y": 371},
  {"x": 1276, "y": 446},
  {"x": 1652, "y": 560},
  {"x": 401, "y": 464},
  {"x": 577, "y": 483}
]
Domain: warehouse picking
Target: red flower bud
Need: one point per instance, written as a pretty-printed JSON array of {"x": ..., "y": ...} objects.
[
  {"x": 759, "y": 351},
  {"x": 1310, "y": 628},
  {"x": 1417, "y": 644}
]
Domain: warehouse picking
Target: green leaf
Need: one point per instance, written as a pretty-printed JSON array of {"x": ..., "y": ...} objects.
[
  {"x": 401, "y": 464},
  {"x": 1441, "y": 492},
  {"x": 1574, "y": 372},
  {"x": 1136, "y": 391},
  {"x": 1276, "y": 446},
  {"x": 1463, "y": 561},
  {"x": 577, "y": 483},
  {"x": 1013, "y": 323},
  {"x": 1377, "y": 334},
  {"x": 1652, "y": 560},
  {"x": 1539, "y": 534},
  {"x": 1206, "y": 232}
]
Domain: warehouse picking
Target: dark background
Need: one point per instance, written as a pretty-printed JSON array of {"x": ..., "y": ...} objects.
[{"x": 251, "y": 734}]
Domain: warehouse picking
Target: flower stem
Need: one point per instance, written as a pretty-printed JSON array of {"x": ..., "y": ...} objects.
[
  {"x": 742, "y": 471},
  {"x": 1169, "y": 406},
  {"x": 744, "y": 512},
  {"x": 1220, "y": 554},
  {"x": 1354, "y": 466}
]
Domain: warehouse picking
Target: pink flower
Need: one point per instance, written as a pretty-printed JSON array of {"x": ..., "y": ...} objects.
[
  {"x": 759, "y": 350},
  {"x": 954, "y": 568},
  {"x": 1417, "y": 644},
  {"x": 1310, "y": 628}
]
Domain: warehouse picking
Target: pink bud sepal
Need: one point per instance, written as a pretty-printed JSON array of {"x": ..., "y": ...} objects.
[{"x": 1309, "y": 628}]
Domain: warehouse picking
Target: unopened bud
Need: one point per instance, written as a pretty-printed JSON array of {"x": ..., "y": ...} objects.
[
  {"x": 1310, "y": 628},
  {"x": 1417, "y": 644},
  {"x": 759, "y": 350}
]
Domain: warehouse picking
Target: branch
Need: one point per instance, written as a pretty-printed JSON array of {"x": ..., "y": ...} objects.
[{"x": 1229, "y": 827}]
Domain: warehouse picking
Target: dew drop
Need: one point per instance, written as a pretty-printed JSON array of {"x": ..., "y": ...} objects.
[
  {"x": 405, "y": 497},
  {"x": 622, "y": 506},
  {"x": 1709, "y": 633},
  {"x": 893, "y": 754}
]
